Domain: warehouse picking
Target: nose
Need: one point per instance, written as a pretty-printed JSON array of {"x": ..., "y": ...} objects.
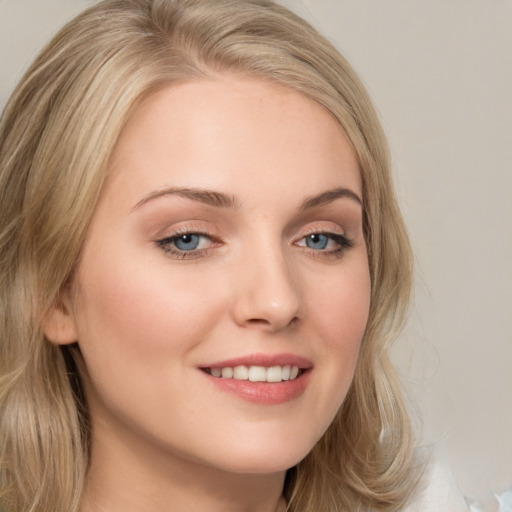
[{"x": 267, "y": 292}]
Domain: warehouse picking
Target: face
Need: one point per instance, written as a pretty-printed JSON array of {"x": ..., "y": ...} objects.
[{"x": 223, "y": 289}]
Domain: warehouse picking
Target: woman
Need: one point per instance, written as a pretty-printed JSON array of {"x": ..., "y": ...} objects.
[{"x": 203, "y": 265}]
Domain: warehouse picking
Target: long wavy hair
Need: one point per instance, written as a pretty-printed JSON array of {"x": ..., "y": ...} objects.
[{"x": 57, "y": 133}]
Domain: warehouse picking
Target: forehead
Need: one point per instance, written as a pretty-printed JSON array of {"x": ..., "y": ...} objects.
[{"x": 233, "y": 133}]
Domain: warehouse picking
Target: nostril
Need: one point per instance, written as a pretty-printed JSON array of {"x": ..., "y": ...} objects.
[
  {"x": 258, "y": 321},
  {"x": 262, "y": 322},
  {"x": 293, "y": 321}
]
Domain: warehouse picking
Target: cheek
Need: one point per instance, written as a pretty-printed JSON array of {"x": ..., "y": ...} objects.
[
  {"x": 341, "y": 308},
  {"x": 339, "y": 317},
  {"x": 138, "y": 326},
  {"x": 140, "y": 313}
]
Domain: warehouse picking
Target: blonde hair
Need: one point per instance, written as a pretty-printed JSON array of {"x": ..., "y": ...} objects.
[{"x": 56, "y": 135}]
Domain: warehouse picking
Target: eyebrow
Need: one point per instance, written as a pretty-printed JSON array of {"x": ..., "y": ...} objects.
[
  {"x": 209, "y": 197},
  {"x": 328, "y": 197},
  {"x": 222, "y": 200}
]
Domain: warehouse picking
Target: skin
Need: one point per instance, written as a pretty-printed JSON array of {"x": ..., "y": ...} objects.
[{"x": 165, "y": 437}]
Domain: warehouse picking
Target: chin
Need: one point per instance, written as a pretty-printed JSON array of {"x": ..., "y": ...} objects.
[{"x": 272, "y": 457}]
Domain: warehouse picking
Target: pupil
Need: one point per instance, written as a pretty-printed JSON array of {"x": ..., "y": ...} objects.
[
  {"x": 187, "y": 242},
  {"x": 317, "y": 241}
]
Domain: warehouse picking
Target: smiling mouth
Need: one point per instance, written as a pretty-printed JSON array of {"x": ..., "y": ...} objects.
[{"x": 270, "y": 374}]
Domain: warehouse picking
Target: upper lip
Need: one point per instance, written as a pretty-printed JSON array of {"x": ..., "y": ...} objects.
[{"x": 266, "y": 360}]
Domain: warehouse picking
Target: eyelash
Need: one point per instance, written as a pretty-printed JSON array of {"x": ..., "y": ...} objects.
[
  {"x": 342, "y": 241},
  {"x": 167, "y": 245}
]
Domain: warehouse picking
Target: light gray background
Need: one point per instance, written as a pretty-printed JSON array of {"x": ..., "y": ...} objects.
[{"x": 440, "y": 73}]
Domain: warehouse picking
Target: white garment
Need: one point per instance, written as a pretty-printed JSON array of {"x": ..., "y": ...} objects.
[{"x": 437, "y": 492}]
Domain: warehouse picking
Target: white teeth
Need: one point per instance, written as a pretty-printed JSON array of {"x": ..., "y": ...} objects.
[
  {"x": 240, "y": 373},
  {"x": 227, "y": 373},
  {"x": 274, "y": 374},
  {"x": 257, "y": 373}
]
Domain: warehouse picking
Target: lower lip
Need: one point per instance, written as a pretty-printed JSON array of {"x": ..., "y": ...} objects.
[{"x": 265, "y": 393}]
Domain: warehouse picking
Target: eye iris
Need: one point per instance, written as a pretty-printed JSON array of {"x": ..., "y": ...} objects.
[
  {"x": 187, "y": 242},
  {"x": 317, "y": 241}
]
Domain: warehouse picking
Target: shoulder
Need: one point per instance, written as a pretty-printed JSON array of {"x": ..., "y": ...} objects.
[{"x": 436, "y": 492}]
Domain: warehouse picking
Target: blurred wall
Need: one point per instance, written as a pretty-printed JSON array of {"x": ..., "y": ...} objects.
[{"x": 440, "y": 73}]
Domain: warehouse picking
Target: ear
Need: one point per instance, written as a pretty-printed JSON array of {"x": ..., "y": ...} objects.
[{"x": 59, "y": 324}]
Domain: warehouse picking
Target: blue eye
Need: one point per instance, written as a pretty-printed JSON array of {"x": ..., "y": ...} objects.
[
  {"x": 317, "y": 241},
  {"x": 186, "y": 245},
  {"x": 325, "y": 244},
  {"x": 188, "y": 242}
]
